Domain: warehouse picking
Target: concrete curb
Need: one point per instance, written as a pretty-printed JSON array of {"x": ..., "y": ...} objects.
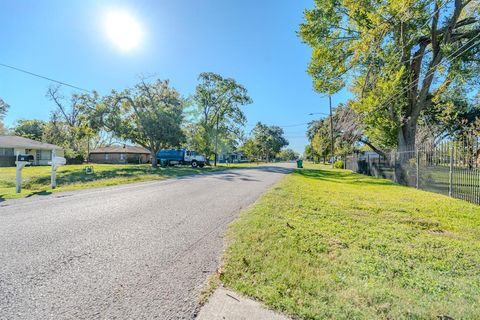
[{"x": 225, "y": 304}]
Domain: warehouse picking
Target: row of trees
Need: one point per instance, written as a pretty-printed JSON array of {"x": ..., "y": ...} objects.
[
  {"x": 412, "y": 66},
  {"x": 266, "y": 143},
  {"x": 154, "y": 115}
]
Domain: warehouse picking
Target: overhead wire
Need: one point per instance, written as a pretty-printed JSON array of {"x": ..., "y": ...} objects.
[{"x": 45, "y": 78}]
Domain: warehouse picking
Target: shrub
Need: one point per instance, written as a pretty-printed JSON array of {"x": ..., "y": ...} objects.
[
  {"x": 338, "y": 164},
  {"x": 79, "y": 159}
]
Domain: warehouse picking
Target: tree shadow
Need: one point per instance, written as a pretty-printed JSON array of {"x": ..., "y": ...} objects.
[
  {"x": 343, "y": 177},
  {"x": 79, "y": 176},
  {"x": 39, "y": 193}
]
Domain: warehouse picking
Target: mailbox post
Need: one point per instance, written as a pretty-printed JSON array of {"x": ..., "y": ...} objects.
[
  {"x": 20, "y": 163},
  {"x": 55, "y": 163}
]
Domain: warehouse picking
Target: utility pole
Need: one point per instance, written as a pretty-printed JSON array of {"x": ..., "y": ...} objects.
[
  {"x": 216, "y": 143},
  {"x": 331, "y": 129},
  {"x": 332, "y": 140}
]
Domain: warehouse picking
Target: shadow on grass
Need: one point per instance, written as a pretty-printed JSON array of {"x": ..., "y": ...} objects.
[
  {"x": 79, "y": 176},
  {"x": 343, "y": 177}
]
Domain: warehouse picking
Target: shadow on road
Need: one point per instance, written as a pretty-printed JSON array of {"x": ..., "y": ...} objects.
[{"x": 39, "y": 193}]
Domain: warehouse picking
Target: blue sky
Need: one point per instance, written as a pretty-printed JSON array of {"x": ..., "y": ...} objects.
[{"x": 250, "y": 40}]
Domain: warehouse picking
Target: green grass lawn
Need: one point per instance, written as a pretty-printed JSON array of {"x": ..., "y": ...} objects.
[
  {"x": 331, "y": 244},
  {"x": 36, "y": 180}
]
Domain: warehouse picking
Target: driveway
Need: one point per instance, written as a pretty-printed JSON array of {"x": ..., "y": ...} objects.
[{"x": 140, "y": 251}]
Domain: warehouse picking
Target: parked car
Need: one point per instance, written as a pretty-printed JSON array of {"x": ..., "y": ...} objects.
[{"x": 170, "y": 157}]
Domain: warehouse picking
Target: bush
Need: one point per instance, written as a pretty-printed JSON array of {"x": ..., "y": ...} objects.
[
  {"x": 79, "y": 159},
  {"x": 338, "y": 164}
]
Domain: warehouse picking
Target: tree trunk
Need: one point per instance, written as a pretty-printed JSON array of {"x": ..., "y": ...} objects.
[
  {"x": 405, "y": 151},
  {"x": 154, "y": 158}
]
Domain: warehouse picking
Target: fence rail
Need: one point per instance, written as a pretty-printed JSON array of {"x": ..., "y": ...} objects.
[{"x": 450, "y": 168}]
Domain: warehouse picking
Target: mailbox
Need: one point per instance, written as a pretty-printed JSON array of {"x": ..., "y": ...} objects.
[
  {"x": 25, "y": 158},
  {"x": 59, "y": 161}
]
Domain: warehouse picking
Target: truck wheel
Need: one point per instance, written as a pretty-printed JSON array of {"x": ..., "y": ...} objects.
[
  {"x": 201, "y": 165},
  {"x": 194, "y": 164}
]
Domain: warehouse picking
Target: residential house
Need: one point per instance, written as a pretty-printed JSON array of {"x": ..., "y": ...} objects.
[
  {"x": 42, "y": 152},
  {"x": 233, "y": 157},
  {"x": 120, "y": 155}
]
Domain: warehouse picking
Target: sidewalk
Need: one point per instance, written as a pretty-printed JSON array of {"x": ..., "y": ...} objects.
[{"x": 228, "y": 305}]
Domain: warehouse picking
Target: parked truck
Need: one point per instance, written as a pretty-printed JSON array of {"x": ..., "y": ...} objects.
[{"x": 170, "y": 157}]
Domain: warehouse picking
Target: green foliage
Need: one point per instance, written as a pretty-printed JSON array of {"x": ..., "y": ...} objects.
[
  {"x": 219, "y": 103},
  {"x": 70, "y": 124},
  {"x": 150, "y": 114},
  {"x": 288, "y": 155},
  {"x": 250, "y": 149},
  {"x": 3, "y": 111},
  {"x": 401, "y": 57},
  {"x": 31, "y": 129},
  {"x": 321, "y": 141},
  {"x": 331, "y": 244},
  {"x": 338, "y": 164},
  {"x": 267, "y": 141}
]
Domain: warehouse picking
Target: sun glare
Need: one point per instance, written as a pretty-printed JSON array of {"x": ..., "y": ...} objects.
[{"x": 123, "y": 30}]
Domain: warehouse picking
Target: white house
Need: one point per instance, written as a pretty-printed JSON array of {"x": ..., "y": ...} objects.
[{"x": 10, "y": 146}]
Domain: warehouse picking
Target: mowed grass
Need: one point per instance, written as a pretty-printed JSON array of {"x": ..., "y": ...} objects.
[
  {"x": 36, "y": 180},
  {"x": 331, "y": 244}
]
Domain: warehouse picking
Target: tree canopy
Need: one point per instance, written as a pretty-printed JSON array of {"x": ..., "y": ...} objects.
[
  {"x": 219, "y": 103},
  {"x": 3, "y": 111},
  {"x": 150, "y": 114},
  {"x": 402, "y": 59},
  {"x": 31, "y": 129},
  {"x": 266, "y": 141}
]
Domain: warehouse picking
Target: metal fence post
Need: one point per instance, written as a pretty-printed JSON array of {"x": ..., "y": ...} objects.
[
  {"x": 450, "y": 172},
  {"x": 417, "y": 160}
]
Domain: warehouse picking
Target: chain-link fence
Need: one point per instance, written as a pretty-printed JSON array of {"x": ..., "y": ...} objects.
[{"x": 450, "y": 168}]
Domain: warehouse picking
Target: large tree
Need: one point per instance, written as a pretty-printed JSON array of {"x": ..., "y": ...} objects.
[
  {"x": 150, "y": 114},
  {"x": 288, "y": 155},
  {"x": 70, "y": 123},
  {"x": 402, "y": 57},
  {"x": 269, "y": 140},
  {"x": 3, "y": 111},
  {"x": 219, "y": 103},
  {"x": 33, "y": 129}
]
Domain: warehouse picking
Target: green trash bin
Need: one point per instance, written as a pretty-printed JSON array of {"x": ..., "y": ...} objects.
[{"x": 299, "y": 164}]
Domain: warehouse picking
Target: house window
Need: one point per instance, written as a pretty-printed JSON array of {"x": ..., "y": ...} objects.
[
  {"x": 106, "y": 156},
  {"x": 122, "y": 156},
  {"x": 6, "y": 152},
  {"x": 46, "y": 155}
]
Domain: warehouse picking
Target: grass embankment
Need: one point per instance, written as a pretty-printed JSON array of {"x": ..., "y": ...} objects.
[
  {"x": 36, "y": 180},
  {"x": 331, "y": 244}
]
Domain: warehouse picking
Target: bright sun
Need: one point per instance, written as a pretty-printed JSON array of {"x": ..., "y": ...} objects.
[{"x": 123, "y": 30}]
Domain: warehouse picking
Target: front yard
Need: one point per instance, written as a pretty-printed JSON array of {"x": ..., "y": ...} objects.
[
  {"x": 36, "y": 180},
  {"x": 331, "y": 244}
]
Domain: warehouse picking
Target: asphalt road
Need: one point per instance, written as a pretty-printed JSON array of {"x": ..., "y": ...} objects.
[{"x": 141, "y": 251}]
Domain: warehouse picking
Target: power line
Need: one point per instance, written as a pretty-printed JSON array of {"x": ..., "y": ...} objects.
[
  {"x": 283, "y": 126},
  {"x": 414, "y": 83},
  {"x": 44, "y": 77}
]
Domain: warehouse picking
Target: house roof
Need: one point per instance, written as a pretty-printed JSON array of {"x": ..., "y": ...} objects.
[
  {"x": 121, "y": 149},
  {"x": 21, "y": 142}
]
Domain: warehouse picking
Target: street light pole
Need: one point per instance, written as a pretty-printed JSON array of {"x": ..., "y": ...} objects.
[{"x": 332, "y": 139}]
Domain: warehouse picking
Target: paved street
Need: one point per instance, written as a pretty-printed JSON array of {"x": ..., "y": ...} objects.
[{"x": 138, "y": 251}]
